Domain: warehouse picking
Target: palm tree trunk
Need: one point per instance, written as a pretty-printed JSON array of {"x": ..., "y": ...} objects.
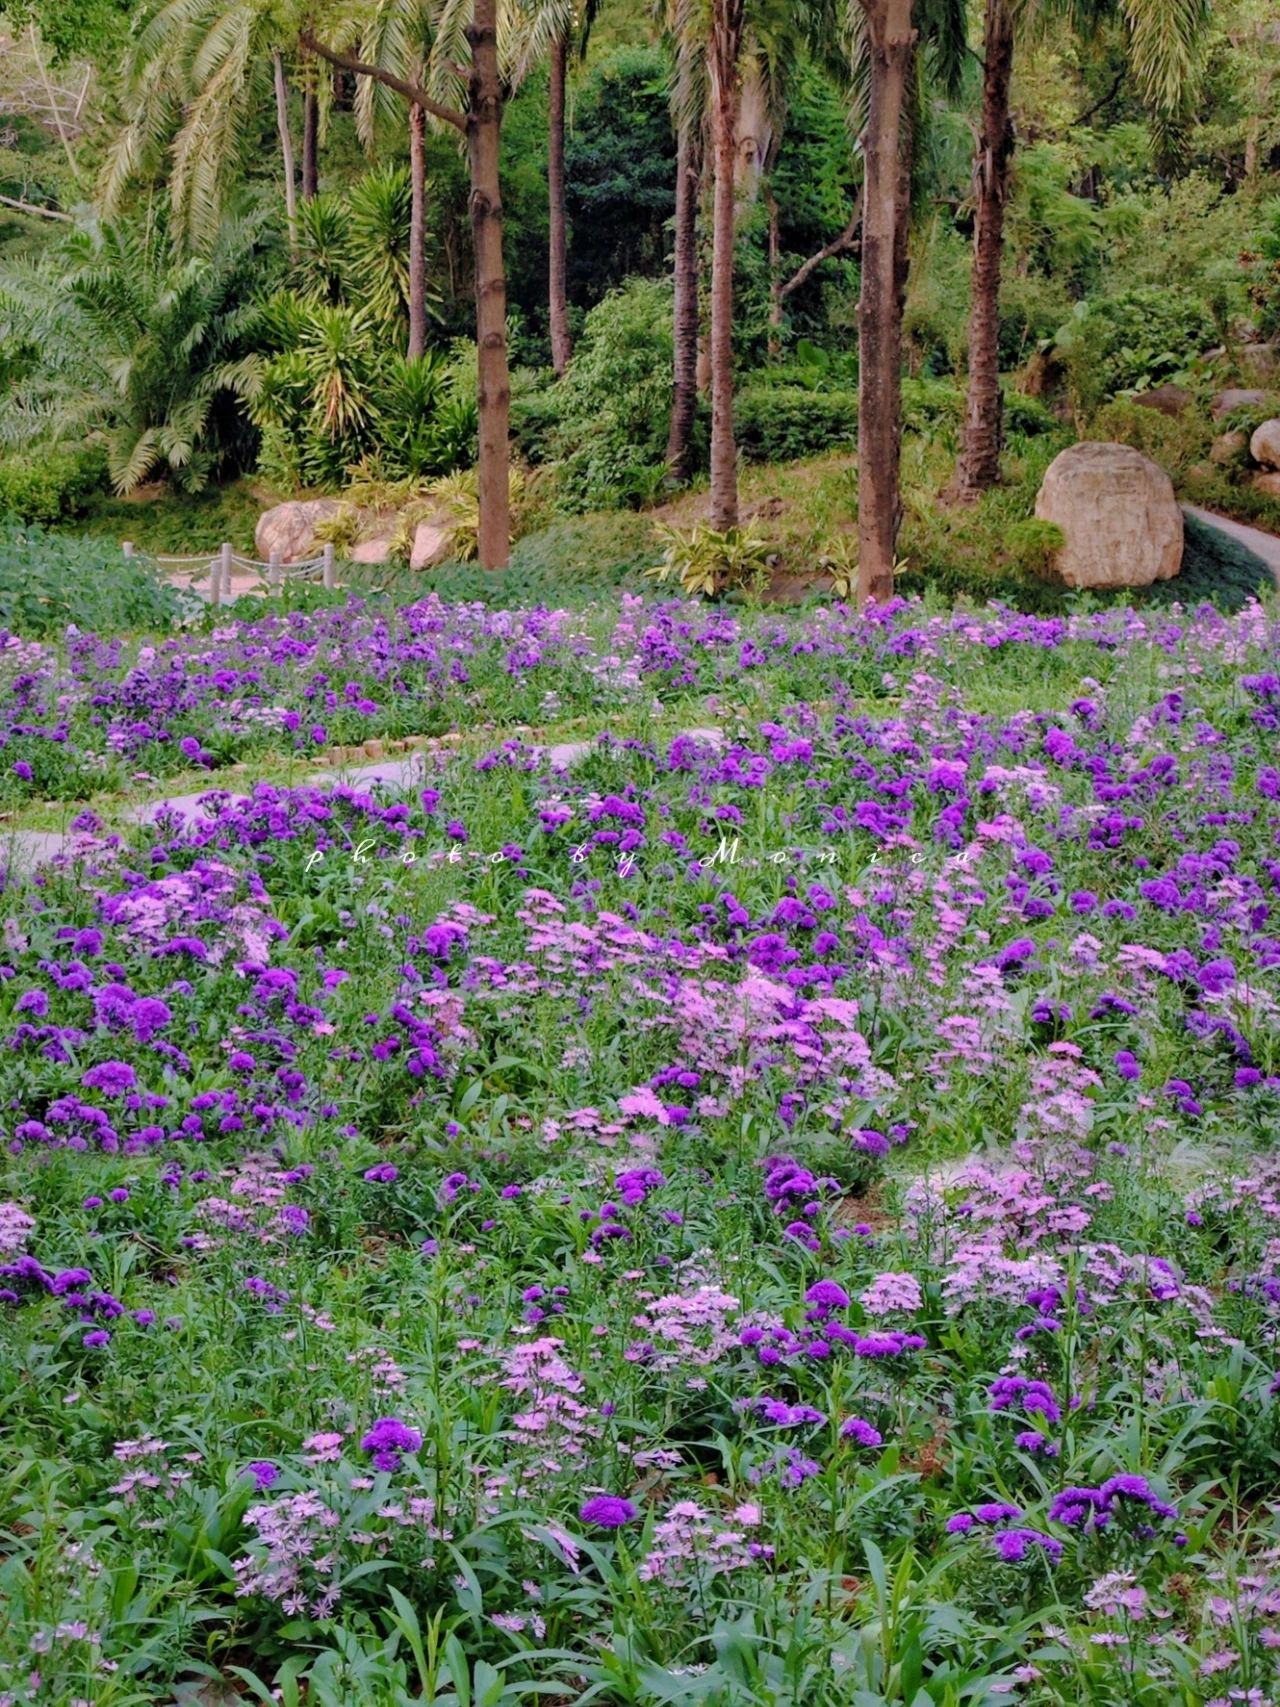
[
  {"x": 726, "y": 48},
  {"x": 493, "y": 399},
  {"x": 890, "y": 42},
  {"x": 310, "y": 142},
  {"x": 286, "y": 149},
  {"x": 979, "y": 465},
  {"x": 684, "y": 402},
  {"x": 417, "y": 230},
  {"x": 774, "y": 346},
  {"x": 561, "y": 345}
]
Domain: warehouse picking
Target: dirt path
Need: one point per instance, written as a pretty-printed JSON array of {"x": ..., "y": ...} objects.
[{"x": 1263, "y": 545}]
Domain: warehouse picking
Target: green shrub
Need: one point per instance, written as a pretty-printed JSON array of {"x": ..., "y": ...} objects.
[
  {"x": 1131, "y": 341},
  {"x": 1028, "y": 415},
  {"x": 1219, "y": 490},
  {"x": 575, "y": 560},
  {"x": 1264, "y": 274},
  {"x": 50, "y": 485},
  {"x": 50, "y": 580},
  {"x": 1176, "y": 442},
  {"x": 339, "y": 397},
  {"x": 1031, "y": 544},
  {"x": 604, "y": 425},
  {"x": 781, "y": 423}
]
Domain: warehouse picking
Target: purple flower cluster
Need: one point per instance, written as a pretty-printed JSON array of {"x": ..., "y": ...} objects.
[{"x": 388, "y": 1440}]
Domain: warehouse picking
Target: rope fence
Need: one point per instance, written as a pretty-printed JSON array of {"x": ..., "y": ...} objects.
[{"x": 219, "y": 569}]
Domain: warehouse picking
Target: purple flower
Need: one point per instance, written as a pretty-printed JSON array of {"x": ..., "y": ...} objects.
[
  {"x": 387, "y": 1440},
  {"x": 383, "y": 1174},
  {"x": 265, "y": 1474},
  {"x": 888, "y": 1345},
  {"x": 112, "y": 1078},
  {"x": 862, "y": 1433},
  {"x": 827, "y": 1295},
  {"x": 1013, "y": 1545},
  {"x": 99, "y": 1336},
  {"x": 607, "y": 1511}
]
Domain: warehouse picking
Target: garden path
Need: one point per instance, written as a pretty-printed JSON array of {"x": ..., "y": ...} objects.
[
  {"x": 1263, "y": 545},
  {"x": 25, "y": 849}
]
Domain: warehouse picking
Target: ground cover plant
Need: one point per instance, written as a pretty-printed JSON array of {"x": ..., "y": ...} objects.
[{"x": 772, "y": 1215}]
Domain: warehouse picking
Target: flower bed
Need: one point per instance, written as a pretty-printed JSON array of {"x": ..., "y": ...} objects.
[{"x": 790, "y": 1216}]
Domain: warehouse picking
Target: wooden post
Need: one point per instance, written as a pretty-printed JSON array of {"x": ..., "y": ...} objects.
[
  {"x": 274, "y": 577},
  {"x": 222, "y": 572},
  {"x": 329, "y": 576},
  {"x": 127, "y": 548}
]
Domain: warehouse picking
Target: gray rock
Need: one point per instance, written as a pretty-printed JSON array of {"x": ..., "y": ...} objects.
[
  {"x": 1261, "y": 360},
  {"x": 1264, "y": 446},
  {"x": 430, "y": 546},
  {"x": 290, "y": 529},
  {"x": 1229, "y": 448},
  {"x": 1236, "y": 397},
  {"x": 1168, "y": 399},
  {"x": 376, "y": 549},
  {"x": 1121, "y": 523}
]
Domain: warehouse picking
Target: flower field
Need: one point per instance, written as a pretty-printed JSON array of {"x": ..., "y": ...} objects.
[{"x": 783, "y": 1214}]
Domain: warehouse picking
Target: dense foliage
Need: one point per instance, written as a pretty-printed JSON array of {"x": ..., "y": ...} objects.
[{"x": 49, "y": 581}]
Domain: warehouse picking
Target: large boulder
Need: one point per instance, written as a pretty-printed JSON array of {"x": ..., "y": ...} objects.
[
  {"x": 1264, "y": 446},
  {"x": 290, "y": 529},
  {"x": 1235, "y": 397},
  {"x": 1229, "y": 448},
  {"x": 1268, "y": 483},
  {"x": 1168, "y": 399},
  {"x": 1120, "y": 520},
  {"x": 375, "y": 549},
  {"x": 430, "y": 546},
  {"x": 1261, "y": 360}
]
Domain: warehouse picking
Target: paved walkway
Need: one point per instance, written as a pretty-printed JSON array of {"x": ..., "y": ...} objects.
[
  {"x": 1262, "y": 544},
  {"x": 25, "y": 849},
  {"x": 28, "y": 848}
]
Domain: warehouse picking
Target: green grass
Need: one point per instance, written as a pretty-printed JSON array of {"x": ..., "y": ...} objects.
[{"x": 173, "y": 523}]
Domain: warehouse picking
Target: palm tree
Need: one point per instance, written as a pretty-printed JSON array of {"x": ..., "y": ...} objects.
[
  {"x": 194, "y": 81},
  {"x": 1162, "y": 35},
  {"x": 688, "y": 111},
  {"x": 479, "y": 121},
  {"x": 145, "y": 348},
  {"x": 728, "y": 18},
  {"x": 557, "y": 30},
  {"x": 396, "y": 36},
  {"x": 885, "y": 63},
  {"x": 890, "y": 45},
  {"x": 731, "y": 67}
]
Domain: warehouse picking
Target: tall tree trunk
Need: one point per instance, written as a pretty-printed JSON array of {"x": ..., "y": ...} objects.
[
  {"x": 726, "y": 49},
  {"x": 890, "y": 42},
  {"x": 310, "y": 141},
  {"x": 774, "y": 345},
  {"x": 286, "y": 150},
  {"x": 484, "y": 128},
  {"x": 417, "y": 230},
  {"x": 561, "y": 345},
  {"x": 684, "y": 402},
  {"x": 979, "y": 465}
]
